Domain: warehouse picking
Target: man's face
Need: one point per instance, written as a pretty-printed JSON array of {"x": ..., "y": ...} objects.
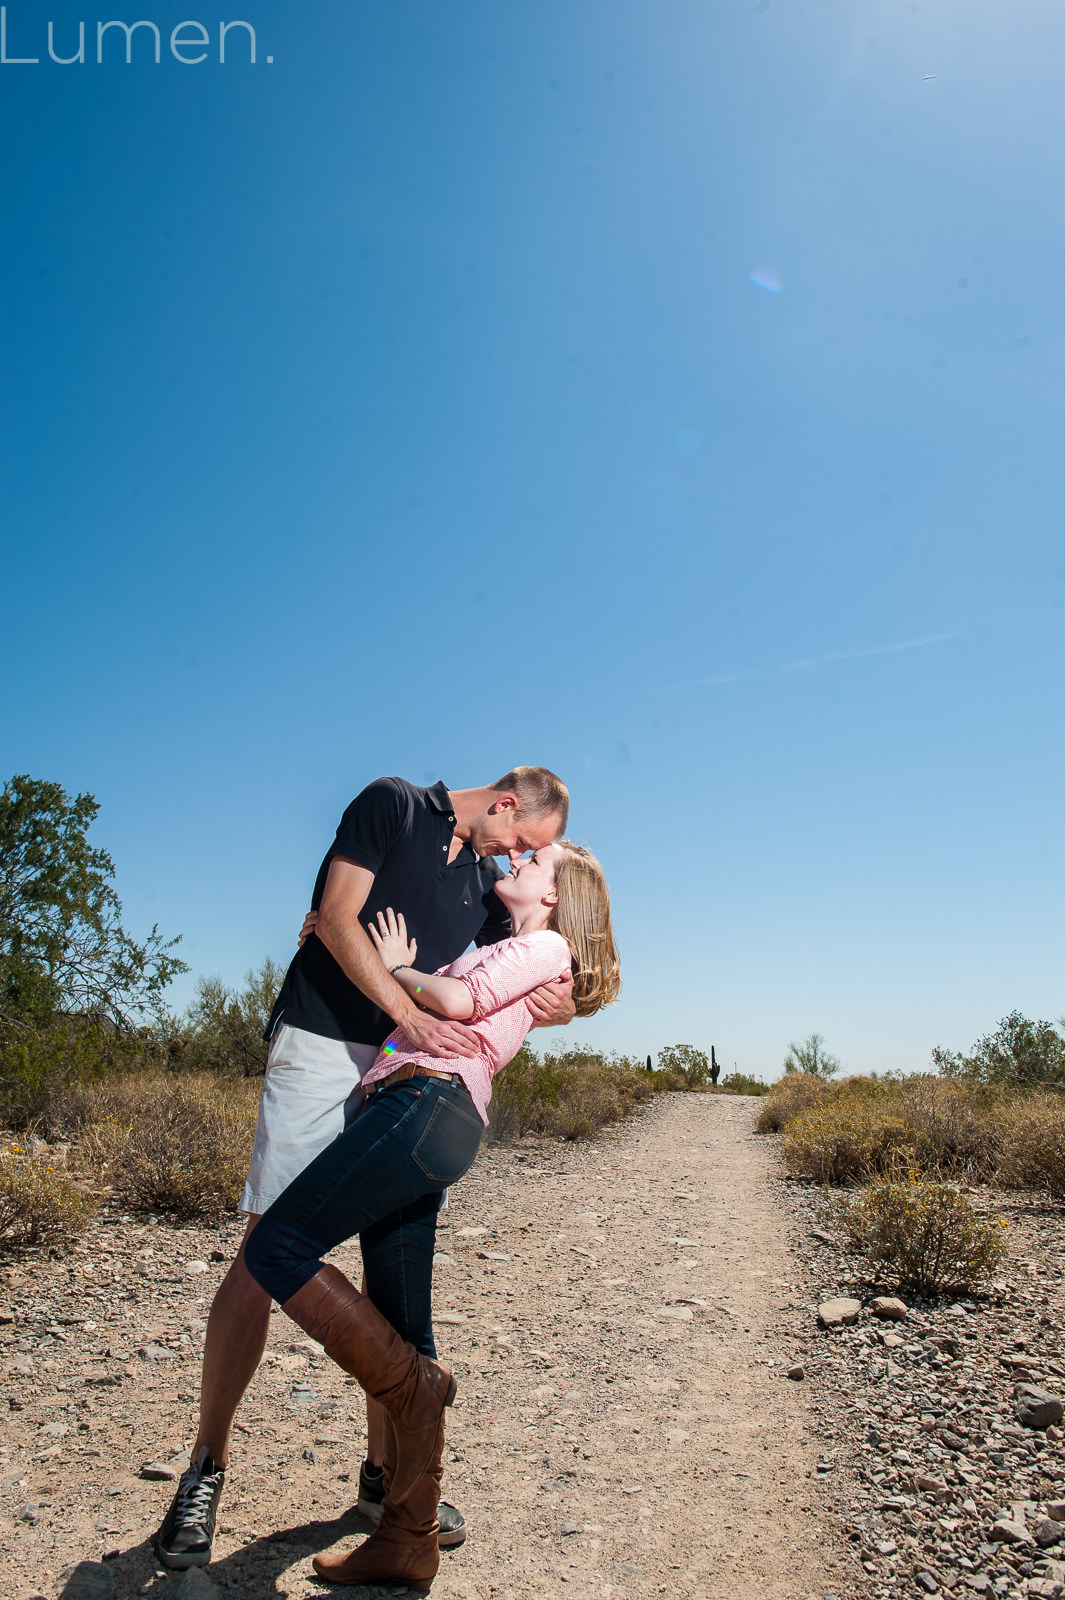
[{"x": 503, "y": 831}]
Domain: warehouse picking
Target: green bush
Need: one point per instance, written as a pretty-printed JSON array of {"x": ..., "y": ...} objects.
[
  {"x": 924, "y": 1232},
  {"x": 222, "y": 1031},
  {"x": 38, "y": 1204},
  {"x": 685, "y": 1061},
  {"x": 1020, "y": 1052},
  {"x": 742, "y": 1083},
  {"x": 39, "y": 1066}
]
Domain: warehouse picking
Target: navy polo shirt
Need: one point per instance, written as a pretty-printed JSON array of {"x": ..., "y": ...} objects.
[{"x": 402, "y": 834}]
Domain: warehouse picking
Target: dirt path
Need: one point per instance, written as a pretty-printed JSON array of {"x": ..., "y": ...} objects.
[{"x": 625, "y": 1427}]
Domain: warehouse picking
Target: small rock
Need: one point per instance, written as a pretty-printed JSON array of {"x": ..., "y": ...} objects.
[
  {"x": 493, "y": 1255},
  {"x": 1056, "y": 1509},
  {"x": 569, "y": 1527},
  {"x": 796, "y": 1373},
  {"x": 156, "y": 1352},
  {"x": 28, "y": 1513},
  {"x": 681, "y": 1313},
  {"x": 1007, "y": 1532},
  {"x": 194, "y": 1269},
  {"x": 89, "y": 1580},
  {"x": 1048, "y": 1531},
  {"x": 1036, "y": 1408},
  {"x": 888, "y": 1309},
  {"x": 158, "y": 1472},
  {"x": 194, "y": 1584},
  {"x": 839, "y": 1313},
  {"x": 928, "y": 1485},
  {"x": 310, "y": 1455},
  {"x": 218, "y": 1255},
  {"x": 893, "y": 1341},
  {"x": 926, "y": 1581}
]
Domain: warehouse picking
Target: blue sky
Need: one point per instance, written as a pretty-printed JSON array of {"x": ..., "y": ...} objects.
[{"x": 406, "y": 405}]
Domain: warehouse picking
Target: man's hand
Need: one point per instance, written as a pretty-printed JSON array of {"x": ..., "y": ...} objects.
[
  {"x": 308, "y": 928},
  {"x": 439, "y": 1038},
  {"x": 552, "y": 1004}
]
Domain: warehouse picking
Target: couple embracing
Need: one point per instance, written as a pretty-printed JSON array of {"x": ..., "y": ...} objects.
[{"x": 384, "y": 1041}]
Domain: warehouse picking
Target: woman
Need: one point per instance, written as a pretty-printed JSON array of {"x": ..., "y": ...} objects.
[{"x": 418, "y": 1132}]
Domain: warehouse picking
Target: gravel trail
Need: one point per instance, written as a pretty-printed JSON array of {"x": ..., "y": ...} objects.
[{"x": 624, "y": 1428}]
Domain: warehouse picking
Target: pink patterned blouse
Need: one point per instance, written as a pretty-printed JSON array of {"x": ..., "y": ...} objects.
[{"x": 498, "y": 976}]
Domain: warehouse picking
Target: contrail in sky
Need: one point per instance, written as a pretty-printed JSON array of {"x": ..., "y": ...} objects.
[{"x": 820, "y": 661}]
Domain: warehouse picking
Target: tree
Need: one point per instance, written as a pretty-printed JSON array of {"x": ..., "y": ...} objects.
[
  {"x": 811, "y": 1057},
  {"x": 1019, "y": 1053},
  {"x": 62, "y": 945},
  {"x": 692, "y": 1064},
  {"x": 223, "y": 1029}
]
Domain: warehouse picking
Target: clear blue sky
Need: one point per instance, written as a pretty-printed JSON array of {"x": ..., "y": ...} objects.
[{"x": 406, "y": 406}]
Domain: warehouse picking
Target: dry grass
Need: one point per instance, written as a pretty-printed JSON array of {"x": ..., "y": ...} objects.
[
  {"x": 38, "y": 1203},
  {"x": 1032, "y": 1146},
  {"x": 862, "y": 1128},
  {"x": 173, "y": 1144},
  {"x": 570, "y": 1096}
]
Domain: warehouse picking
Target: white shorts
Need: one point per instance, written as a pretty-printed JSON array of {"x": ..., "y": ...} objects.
[{"x": 313, "y": 1088}]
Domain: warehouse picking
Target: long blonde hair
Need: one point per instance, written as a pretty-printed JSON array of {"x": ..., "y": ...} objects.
[{"x": 582, "y": 917}]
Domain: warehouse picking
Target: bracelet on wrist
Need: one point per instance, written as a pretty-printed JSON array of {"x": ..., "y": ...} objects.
[{"x": 400, "y": 966}]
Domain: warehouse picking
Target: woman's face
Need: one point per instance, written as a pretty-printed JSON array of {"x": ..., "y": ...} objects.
[{"x": 531, "y": 881}]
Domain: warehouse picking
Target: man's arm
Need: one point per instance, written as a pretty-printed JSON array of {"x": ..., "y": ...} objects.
[{"x": 346, "y": 889}]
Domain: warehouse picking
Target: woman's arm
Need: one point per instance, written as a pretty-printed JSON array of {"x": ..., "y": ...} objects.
[{"x": 446, "y": 996}]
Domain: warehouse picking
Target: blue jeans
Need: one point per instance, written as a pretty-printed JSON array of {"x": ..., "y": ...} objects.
[{"x": 381, "y": 1179}]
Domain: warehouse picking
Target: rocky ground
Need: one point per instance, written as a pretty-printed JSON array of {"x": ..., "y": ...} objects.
[
  {"x": 937, "y": 1484},
  {"x": 622, "y": 1317}
]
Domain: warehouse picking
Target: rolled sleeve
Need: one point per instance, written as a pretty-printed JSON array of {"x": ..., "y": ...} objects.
[{"x": 515, "y": 968}]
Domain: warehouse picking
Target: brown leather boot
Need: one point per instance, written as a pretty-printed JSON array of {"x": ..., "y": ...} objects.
[
  {"x": 405, "y": 1548},
  {"x": 412, "y": 1389}
]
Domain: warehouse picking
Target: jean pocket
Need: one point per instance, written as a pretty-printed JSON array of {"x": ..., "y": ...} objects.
[{"x": 451, "y": 1139}]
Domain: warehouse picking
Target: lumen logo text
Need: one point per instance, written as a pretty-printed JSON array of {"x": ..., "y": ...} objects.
[{"x": 191, "y": 43}]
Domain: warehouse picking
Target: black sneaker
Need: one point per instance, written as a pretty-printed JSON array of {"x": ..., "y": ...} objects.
[
  {"x": 372, "y": 1496},
  {"x": 187, "y": 1534}
]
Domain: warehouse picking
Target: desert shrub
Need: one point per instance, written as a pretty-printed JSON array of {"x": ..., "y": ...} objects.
[
  {"x": 222, "y": 1031},
  {"x": 956, "y": 1127},
  {"x": 788, "y": 1097},
  {"x": 844, "y": 1141},
  {"x": 569, "y": 1096},
  {"x": 1019, "y": 1052},
  {"x": 742, "y": 1083},
  {"x": 925, "y": 1232},
  {"x": 685, "y": 1061},
  {"x": 811, "y": 1057},
  {"x": 38, "y": 1204},
  {"x": 1033, "y": 1146},
  {"x": 179, "y": 1145},
  {"x": 38, "y": 1066}
]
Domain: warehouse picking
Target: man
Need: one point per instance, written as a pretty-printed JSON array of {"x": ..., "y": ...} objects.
[{"x": 427, "y": 853}]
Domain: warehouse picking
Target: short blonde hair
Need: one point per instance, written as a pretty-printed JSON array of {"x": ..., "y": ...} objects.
[
  {"x": 582, "y": 917},
  {"x": 540, "y": 793}
]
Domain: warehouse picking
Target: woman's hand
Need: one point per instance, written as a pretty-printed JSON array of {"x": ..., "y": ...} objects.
[
  {"x": 389, "y": 937},
  {"x": 308, "y": 928}
]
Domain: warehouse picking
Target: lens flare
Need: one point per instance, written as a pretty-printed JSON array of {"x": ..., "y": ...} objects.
[{"x": 767, "y": 278}]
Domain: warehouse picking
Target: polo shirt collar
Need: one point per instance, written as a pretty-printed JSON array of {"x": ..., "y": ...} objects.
[{"x": 440, "y": 801}]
